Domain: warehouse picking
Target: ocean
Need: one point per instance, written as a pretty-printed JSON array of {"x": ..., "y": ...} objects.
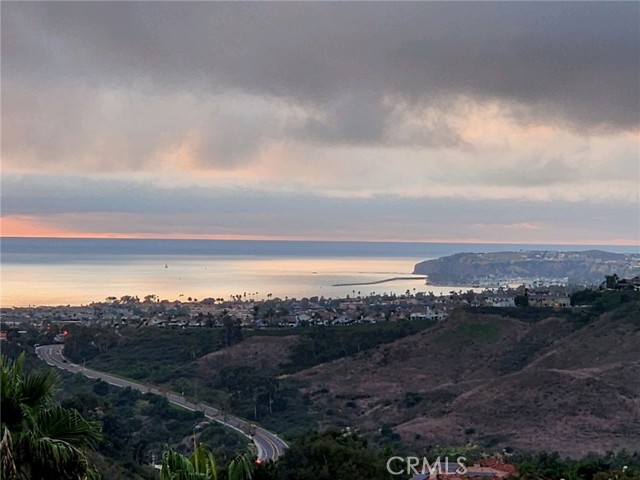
[{"x": 57, "y": 271}]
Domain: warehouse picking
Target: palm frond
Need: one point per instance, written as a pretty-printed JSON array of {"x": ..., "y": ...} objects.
[
  {"x": 10, "y": 391},
  {"x": 204, "y": 463},
  {"x": 201, "y": 465},
  {"x": 40, "y": 456},
  {"x": 8, "y": 469},
  {"x": 36, "y": 389},
  {"x": 41, "y": 442},
  {"x": 19, "y": 391},
  {"x": 66, "y": 424},
  {"x": 176, "y": 466},
  {"x": 241, "y": 467}
]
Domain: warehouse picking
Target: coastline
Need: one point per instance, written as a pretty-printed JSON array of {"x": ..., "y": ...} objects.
[{"x": 79, "y": 272}]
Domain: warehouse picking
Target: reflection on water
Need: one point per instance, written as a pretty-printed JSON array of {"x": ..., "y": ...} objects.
[
  {"x": 54, "y": 283},
  {"x": 48, "y": 271}
]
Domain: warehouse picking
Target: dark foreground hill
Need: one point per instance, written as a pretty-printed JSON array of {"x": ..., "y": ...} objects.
[
  {"x": 563, "y": 381},
  {"x": 587, "y": 267}
]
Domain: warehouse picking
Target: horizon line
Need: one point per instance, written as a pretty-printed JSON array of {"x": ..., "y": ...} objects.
[{"x": 244, "y": 238}]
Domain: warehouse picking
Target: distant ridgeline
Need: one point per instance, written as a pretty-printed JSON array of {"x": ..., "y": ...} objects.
[{"x": 584, "y": 268}]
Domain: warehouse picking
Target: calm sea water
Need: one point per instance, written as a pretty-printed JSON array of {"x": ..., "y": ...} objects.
[{"x": 47, "y": 271}]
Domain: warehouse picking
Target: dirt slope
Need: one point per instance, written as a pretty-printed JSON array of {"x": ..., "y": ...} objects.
[
  {"x": 263, "y": 352},
  {"x": 552, "y": 384}
]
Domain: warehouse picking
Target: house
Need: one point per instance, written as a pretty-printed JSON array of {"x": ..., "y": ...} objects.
[
  {"x": 629, "y": 284},
  {"x": 341, "y": 320},
  {"x": 502, "y": 301},
  {"x": 488, "y": 469},
  {"x": 158, "y": 322},
  {"x": 303, "y": 317},
  {"x": 429, "y": 313},
  {"x": 562, "y": 302},
  {"x": 549, "y": 301},
  {"x": 548, "y": 298},
  {"x": 368, "y": 319}
]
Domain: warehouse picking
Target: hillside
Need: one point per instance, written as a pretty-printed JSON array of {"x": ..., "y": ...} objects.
[
  {"x": 587, "y": 267},
  {"x": 531, "y": 379},
  {"x": 557, "y": 383},
  {"x": 264, "y": 353}
]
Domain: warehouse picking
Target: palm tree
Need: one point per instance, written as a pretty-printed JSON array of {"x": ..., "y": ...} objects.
[
  {"x": 41, "y": 440},
  {"x": 240, "y": 467},
  {"x": 201, "y": 465}
]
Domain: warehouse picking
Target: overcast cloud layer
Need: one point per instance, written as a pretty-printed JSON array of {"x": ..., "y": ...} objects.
[{"x": 310, "y": 111}]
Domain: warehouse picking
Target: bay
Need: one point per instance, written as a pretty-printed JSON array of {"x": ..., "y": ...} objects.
[{"x": 44, "y": 271}]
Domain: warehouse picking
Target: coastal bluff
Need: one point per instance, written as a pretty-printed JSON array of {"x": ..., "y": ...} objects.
[{"x": 580, "y": 267}]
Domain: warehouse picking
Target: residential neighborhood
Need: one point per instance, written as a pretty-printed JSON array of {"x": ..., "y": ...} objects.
[{"x": 292, "y": 312}]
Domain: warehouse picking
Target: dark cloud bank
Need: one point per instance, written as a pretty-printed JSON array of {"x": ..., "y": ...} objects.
[
  {"x": 356, "y": 70},
  {"x": 575, "y": 63}
]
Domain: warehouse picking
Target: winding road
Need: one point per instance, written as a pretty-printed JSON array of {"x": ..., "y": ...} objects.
[{"x": 270, "y": 447}]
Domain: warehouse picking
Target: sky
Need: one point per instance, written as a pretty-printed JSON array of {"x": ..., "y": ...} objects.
[{"x": 508, "y": 122}]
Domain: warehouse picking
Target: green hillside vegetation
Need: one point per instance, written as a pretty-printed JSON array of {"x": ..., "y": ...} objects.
[
  {"x": 138, "y": 427},
  {"x": 484, "y": 377},
  {"x": 168, "y": 358},
  {"x": 135, "y": 428},
  {"x": 489, "y": 378},
  {"x": 336, "y": 454},
  {"x": 601, "y": 301},
  {"x": 147, "y": 353},
  {"x": 329, "y": 455},
  {"x": 323, "y": 344},
  {"x": 135, "y": 425}
]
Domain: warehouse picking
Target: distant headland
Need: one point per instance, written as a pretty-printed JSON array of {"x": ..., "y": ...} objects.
[{"x": 580, "y": 267}]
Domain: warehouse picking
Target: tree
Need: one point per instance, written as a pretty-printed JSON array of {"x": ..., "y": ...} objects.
[
  {"x": 329, "y": 455},
  {"x": 611, "y": 281},
  {"x": 201, "y": 465},
  {"x": 151, "y": 298},
  {"x": 240, "y": 467},
  {"x": 41, "y": 440},
  {"x": 521, "y": 301},
  {"x": 231, "y": 331}
]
